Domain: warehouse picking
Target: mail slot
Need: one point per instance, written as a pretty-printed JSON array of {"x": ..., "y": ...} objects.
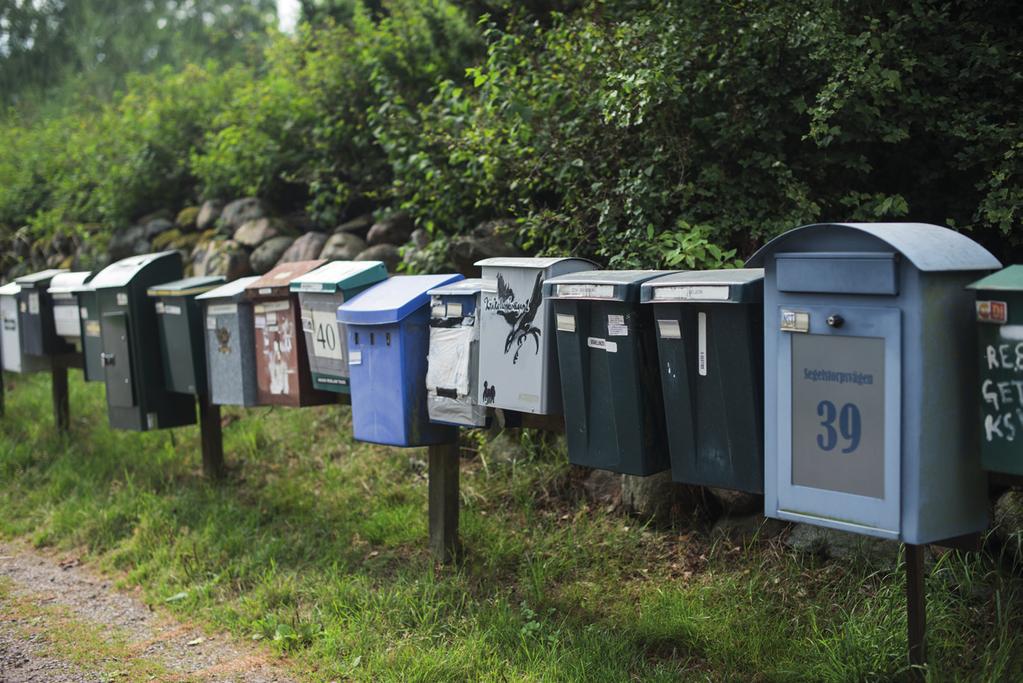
[
  {"x": 388, "y": 341},
  {"x": 230, "y": 344},
  {"x": 14, "y": 360},
  {"x": 35, "y": 308},
  {"x": 320, "y": 292},
  {"x": 137, "y": 397},
  {"x": 452, "y": 377},
  {"x": 518, "y": 354},
  {"x": 607, "y": 354},
  {"x": 710, "y": 348},
  {"x": 870, "y": 397},
  {"x": 283, "y": 376},
  {"x": 182, "y": 338}
]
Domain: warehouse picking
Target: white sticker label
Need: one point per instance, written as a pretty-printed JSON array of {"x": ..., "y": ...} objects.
[
  {"x": 454, "y": 310},
  {"x": 311, "y": 287},
  {"x": 326, "y": 339},
  {"x": 122, "y": 299},
  {"x": 92, "y": 328},
  {"x": 273, "y": 306},
  {"x": 566, "y": 323},
  {"x": 222, "y": 309},
  {"x": 211, "y": 322},
  {"x": 438, "y": 311},
  {"x": 691, "y": 293},
  {"x": 669, "y": 329},
  {"x": 701, "y": 344},
  {"x": 603, "y": 344},
  {"x": 260, "y": 322},
  {"x": 616, "y": 326},
  {"x": 355, "y": 358},
  {"x": 159, "y": 307},
  {"x": 33, "y": 303},
  {"x": 151, "y": 420},
  {"x": 794, "y": 321},
  {"x": 84, "y": 313},
  {"x": 266, "y": 290},
  {"x": 172, "y": 310},
  {"x": 586, "y": 291}
]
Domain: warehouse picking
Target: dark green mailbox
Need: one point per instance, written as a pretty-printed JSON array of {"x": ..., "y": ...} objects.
[
  {"x": 182, "y": 345},
  {"x": 35, "y": 309},
  {"x": 711, "y": 351},
  {"x": 137, "y": 397},
  {"x": 607, "y": 355},
  {"x": 92, "y": 332}
]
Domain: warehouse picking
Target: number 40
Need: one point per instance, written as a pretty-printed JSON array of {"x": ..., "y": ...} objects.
[{"x": 848, "y": 424}]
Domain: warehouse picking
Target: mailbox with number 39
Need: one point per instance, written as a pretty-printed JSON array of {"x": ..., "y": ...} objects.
[{"x": 869, "y": 419}]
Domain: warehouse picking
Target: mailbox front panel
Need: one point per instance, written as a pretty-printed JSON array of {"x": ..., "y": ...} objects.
[
  {"x": 92, "y": 336},
  {"x": 182, "y": 372},
  {"x": 839, "y": 416},
  {"x": 452, "y": 378},
  {"x": 277, "y": 349},
  {"x": 999, "y": 316},
  {"x": 230, "y": 353},
  {"x": 66, "y": 318},
  {"x": 11, "y": 334},
  {"x": 325, "y": 341},
  {"x": 117, "y": 361}
]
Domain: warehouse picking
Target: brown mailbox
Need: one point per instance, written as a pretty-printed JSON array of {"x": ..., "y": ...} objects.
[{"x": 283, "y": 376}]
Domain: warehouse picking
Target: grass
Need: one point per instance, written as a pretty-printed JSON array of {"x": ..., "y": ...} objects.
[{"x": 316, "y": 545}]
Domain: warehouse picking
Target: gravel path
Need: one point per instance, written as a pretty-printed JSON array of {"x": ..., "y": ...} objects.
[{"x": 186, "y": 650}]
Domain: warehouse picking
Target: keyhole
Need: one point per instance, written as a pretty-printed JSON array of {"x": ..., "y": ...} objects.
[{"x": 836, "y": 320}]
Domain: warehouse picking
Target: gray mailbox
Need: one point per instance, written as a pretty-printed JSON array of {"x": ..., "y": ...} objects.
[
  {"x": 35, "y": 308},
  {"x": 14, "y": 358},
  {"x": 870, "y": 411},
  {"x": 230, "y": 344},
  {"x": 453, "y": 364}
]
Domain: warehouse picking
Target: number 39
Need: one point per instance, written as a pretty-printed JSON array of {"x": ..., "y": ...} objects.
[{"x": 848, "y": 425}]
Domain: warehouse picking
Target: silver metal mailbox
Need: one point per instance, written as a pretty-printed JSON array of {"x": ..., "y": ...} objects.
[
  {"x": 518, "y": 352},
  {"x": 13, "y": 358},
  {"x": 869, "y": 390},
  {"x": 452, "y": 376},
  {"x": 230, "y": 344},
  {"x": 67, "y": 318}
]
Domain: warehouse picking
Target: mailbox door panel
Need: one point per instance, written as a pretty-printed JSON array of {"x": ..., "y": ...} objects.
[
  {"x": 839, "y": 407},
  {"x": 325, "y": 341},
  {"x": 92, "y": 337},
  {"x": 277, "y": 353},
  {"x": 118, "y": 364},
  {"x": 11, "y": 339}
]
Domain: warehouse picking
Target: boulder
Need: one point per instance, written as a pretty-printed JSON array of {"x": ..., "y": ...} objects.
[
  {"x": 1009, "y": 525},
  {"x": 491, "y": 239},
  {"x": 208, "y": 214},
  {"x": 305, "y": 248},
  {"x": 420, "y": 238},
  {"x": 240, "y": 211},
  {"x": 357, "y": 226},
  {"x": 506, "y": 447},
  {"x": 255, "y": 232},
  {"x": 657, "y": 498},
  {"x": 746, "y": 528},
  {"x": 221, "y": 257},
  {"x": 156, "y": 227},
  {"x": 343, "y": 246},
  {"x": 603, "y": 488},
  {"x": 395, "y": 230},
  {"x": 842, "y": 545},
  {"x": 737, "y": 502},
  {"x": 267, "y": 255},
  {"x": 128, "y": 242},
  {"x": 388, "y": 253},
  {"x": 186, "y": 219}
]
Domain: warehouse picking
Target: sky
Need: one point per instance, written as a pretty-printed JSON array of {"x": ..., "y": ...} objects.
[{"x": 287, "y": 14}]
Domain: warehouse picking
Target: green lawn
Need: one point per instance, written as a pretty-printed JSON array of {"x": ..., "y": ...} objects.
[{"x": 317, "y": 545}]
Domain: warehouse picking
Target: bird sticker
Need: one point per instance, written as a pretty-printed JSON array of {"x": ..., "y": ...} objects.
[
  {"x": 223, "y": 340},
  {"x": 519, "y": 315}
]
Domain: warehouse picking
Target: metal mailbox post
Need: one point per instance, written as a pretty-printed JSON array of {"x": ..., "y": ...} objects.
[
  {"x": 711, "y": 356},
  {"x": 230, "y": 344},
  {"x": 181, "y": 332},
  {"x": 452, "y": 376},
  {"x": 610, "y": 385},
  {"x": 388, "y": 342},
  {"x": 283, "y": 376},
  {"x": 67, "y": 319},
  {"x": 35, "y": 307},
  {"x": 14, "y": 358},
  {"x": 137, "y": 397},
  {"x": 518, "y": 358},
  {"x": 320, "y": 292},
  {"x": 870, "y": 396}
]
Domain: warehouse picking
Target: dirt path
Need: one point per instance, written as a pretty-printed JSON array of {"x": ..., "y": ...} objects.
[{"x": 60, "y": 622}]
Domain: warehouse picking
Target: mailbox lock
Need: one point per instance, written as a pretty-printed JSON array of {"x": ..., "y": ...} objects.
[
  {"x": 106, "y": 359},
  {"x": 835, "y": 320}
]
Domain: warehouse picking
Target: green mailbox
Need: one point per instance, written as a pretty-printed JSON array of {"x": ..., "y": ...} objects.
[
  {"x": 710, "y": 346},
  {"x": 182, "y": 337},
  {"x": 607, "y": 355},
  {"x": 137, "y": 397},
  {"x": 1000, "y": 354},
  {"x": 92, "y": 332}
]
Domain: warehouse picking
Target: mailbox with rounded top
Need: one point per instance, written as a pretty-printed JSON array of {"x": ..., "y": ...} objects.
[
  {"x": 518, "y": 356},
  {"x": 610, "y": 385},
  {"x": 320, "y": 292},
  {"x": 137, "y": 397},
  {"x": 283, "y": 376},
  {"x": 452, "y": 378},
  {"x": 181, "y": 332},
  {"x": 870, "y": 396},
  {"x": 710, "y": 351},
  {"x": 67, "y": 319},
  {"x": 230, "y": 344},
  {"x": 35, "y": 307},
  {"x": 388, "y": 341},
  {"x": 10, "y": 336}
]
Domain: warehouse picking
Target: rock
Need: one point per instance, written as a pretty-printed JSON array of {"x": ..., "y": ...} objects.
[
  {"x": 269, "y": 253},
  {"x": 163, "y": 241},
  {"x": 126, "y": 243},
  {"x": 737, "y": 502},
  {"x": 305, "y": 248},
  {"x": 420, "y": 239},
  {"x": 186, "y": 219},
  {"x": 240, "y": 211},
  {"x": 488, "y": 240},
  {"x": 221, "y": 257},
  {"x": 657, "y": 497},
  {"x": 388, "y": 253},
  {"x": 156, "y": 227},
  {"x": 208, "y": 214},
  {"x": 255, "y": 232},
  {"x": 602, "y": 487},
  {"x": 357, "y": 226},
  {"x": 393, "y": 230},
  {"x": 842, "y": 545},
  {"x": 298, "y": 223},
  {"x": 1009, "y": 525},
  {"x": 745, "y": 528},
  {"x": 506, "y": 447},
  {"x": 343, "y": 246}
]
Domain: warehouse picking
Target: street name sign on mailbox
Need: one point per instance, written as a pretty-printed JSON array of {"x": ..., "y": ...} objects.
[
  {"x": 870, "y": 392},
  {"x": 320, "y": 292},
  {"x": 283, "y": 376},
  {"x": 137, "y": 397},
  {"x": 610, "y": 385},
  {"x": 67, "y": 319},
  {"x": 13, "y": 358},
  {"x": 388, "y": 341},
  {"x": 452, "y": 378},
  {"x": 35, "y": 308},
  {"x": 710, "y": 347},
  {"x": 999, "y": 323},
  {"x": 230, "y": 344},
  {"x": 182, "y": 335},
  {"x": 518, "y": 354}
]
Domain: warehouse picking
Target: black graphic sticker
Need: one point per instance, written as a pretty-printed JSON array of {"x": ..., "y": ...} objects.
[
  {"x": 489, "y": 393},
  {"x": 519, "y": 315},
  {"x": 224, "y": 340}
]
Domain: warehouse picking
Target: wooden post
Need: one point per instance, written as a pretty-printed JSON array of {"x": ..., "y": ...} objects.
[
  {"x": 444, "y": 503},
  {"x": 916, "y": 610},
  {"x": 59, "y": 392},
  {"x": 212, "y": 438},
  {"x": 3, "y": 406}
]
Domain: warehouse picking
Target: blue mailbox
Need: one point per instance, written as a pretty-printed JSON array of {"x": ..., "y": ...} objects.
[
  {"x": 870, "y": 410},
  {"x": 388, "y": 340}
]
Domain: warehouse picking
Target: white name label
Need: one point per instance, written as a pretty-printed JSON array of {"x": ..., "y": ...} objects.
[
  {"x": 586, "y": 291},
  {"x": 691, "y": 293},
  {"x": 603, "y": 344},
  {"x": 566, "y": 323},
  {"x": 222, "y": 309}
]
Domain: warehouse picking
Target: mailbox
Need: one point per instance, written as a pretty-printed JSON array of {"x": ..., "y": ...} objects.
[
  {"x": 711, "y": 355},
  {"x": 283, "y": 376},
  {"x": 67, "y": 321},
  {"x": 869, "y": 386},
  {"x": 182, "y": 332},
  {"x": 388, "y": 341},
  {"x": 14, "y": 360},
  {"x": 320, "y": 292},
  {"x": 92, "y": 332},
  {"x": 35, "y": 309},
  {"x": 230, "y": 344},
  {"x": 999, "y": 321},
  {"x": 137, "y": 398},
  {"x": 607, "y": 353},
  {"x": 518, "y": 358},
  {"x": 452, "y": 376}
]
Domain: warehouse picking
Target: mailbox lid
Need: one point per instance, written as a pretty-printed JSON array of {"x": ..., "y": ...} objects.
[
  {"x": 232, "y": 292},
  {"x": 68, "y": 283},
  {"x": 10, "y": 289},
  {"x": 534, "y": 262},
  {"x": 191, "y": 286},
  {"x": 467, "y": 287},
  {"x": 121, "y": 273},
  {"x": 599, "y": 285},
  {"x": 40, "y": 280},
  {"x": 340, "y": 276},
  {"x": 277, "y": 282},
  {"x": 732, "y": 286},
  {"x": 1009, "y": 279},
  {"x": 392, "y": 300}
]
